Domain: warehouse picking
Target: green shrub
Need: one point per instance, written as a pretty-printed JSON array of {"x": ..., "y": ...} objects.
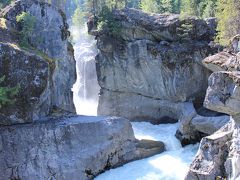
[
  {"x": 7, "y": 94},
  {"x": 106, "y": 21},
  {"x": 27, "y": 23}
]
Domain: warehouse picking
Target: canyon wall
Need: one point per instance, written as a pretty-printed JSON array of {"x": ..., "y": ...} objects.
[{"x": 218, "y": 155}]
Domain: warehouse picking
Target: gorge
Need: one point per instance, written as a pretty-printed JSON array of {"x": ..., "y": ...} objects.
[{"x": 157, "y": 87}]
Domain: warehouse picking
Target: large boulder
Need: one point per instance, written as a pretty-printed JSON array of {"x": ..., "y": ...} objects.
[
  {"x": 69, "y": 148},
  {"x": 45, "y": 69},
  {"x": 154, "y": 58}
]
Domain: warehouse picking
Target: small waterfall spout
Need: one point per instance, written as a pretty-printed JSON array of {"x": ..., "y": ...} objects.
[{"x": 86, "y": 88}]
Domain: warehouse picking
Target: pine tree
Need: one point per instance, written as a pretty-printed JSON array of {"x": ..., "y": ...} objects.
[
  {"x": 209, "y": 9},
  {"x": 177, "y": 6},
  {"x": 167, "y": 6},
  {"x": 228, "y": 14},
  {"x": 78, "y": 17},
  {"x": 190, "y": 7},
  {"x": 150, "y": 6}
]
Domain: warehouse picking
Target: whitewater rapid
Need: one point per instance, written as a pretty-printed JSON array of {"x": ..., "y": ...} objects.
[{"x": 173, "y": 164}]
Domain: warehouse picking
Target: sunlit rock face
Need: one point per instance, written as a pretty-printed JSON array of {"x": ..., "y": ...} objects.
[
  {"x": 153, "y": 61},
  {"x": 66, "y": 148},
  {"x": 219, "y": 153},
  {"x": 45, "y": 71}
]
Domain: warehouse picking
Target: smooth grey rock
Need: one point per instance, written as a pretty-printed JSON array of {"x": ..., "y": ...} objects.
[
  {"x": 209, "y": 125},
  {"x": 156, "y": 58},
  {"x": 72, "y": 148}
]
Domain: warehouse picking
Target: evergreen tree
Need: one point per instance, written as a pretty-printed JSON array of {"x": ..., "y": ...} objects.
[
  {"x": 190, "y": 7},
  {"x": 167, "y": 6},
  {"x": 228, "y": 14},
  {"x": 177, "y": 6},
  {"x": 209, "y": 10},
  {"x": 78, "y": 17},
  {"x": 150, "y": 6}
]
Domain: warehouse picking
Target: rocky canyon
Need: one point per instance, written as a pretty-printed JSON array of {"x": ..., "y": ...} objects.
[{"x": 162, "y": 70}]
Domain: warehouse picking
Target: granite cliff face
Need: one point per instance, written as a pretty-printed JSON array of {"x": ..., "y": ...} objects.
[
  {"x": 45, "y": 71},
  {"x": 151, "y": 68},
  {"x": 219, "y": 153}
]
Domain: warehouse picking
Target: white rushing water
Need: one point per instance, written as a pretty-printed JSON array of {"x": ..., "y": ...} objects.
[
  {"x": 86, "y": 87},
  {"x": 170, "y": 165}
]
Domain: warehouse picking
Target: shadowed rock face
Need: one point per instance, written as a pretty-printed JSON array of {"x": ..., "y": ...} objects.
[
  {"x": 154, "y": 58},
  {"x": 219, "y": 153},
  {"x": 45, "y": 71},
  {"x": 32, "y": 73}
]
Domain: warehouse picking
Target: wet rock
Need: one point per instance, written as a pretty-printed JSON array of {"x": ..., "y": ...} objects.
[{"x": 147, "y": 148}]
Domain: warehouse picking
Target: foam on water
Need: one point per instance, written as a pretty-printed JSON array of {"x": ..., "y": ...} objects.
[{"x": 170, "y": 165}]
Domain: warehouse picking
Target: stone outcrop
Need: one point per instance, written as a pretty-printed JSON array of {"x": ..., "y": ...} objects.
[
  {"x": 223, "y": 61},
  {"x": 152, "y": 65},
  {"x": 148, "y": 148},
  {"x": 219, "y": 153},
  {"x": 45, "y": 70},
  {"x": 69, "y": 148}
]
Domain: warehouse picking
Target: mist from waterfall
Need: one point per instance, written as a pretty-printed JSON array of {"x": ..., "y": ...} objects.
[{"x": 86, "y": 88}]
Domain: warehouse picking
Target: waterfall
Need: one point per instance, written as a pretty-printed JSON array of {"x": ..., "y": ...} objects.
[{"x": 86, "y": 88}]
